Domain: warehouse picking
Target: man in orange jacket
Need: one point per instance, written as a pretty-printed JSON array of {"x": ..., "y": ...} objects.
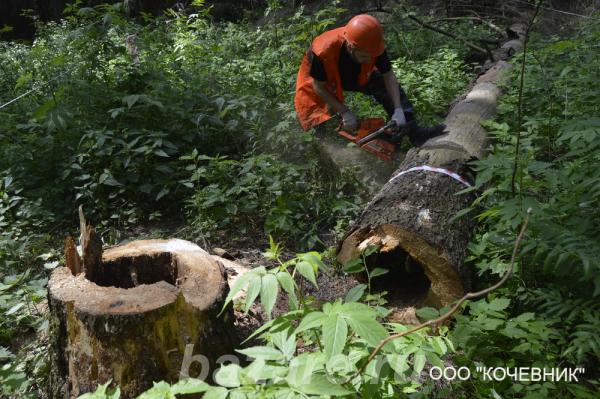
[{"x": 352, "y": 58}]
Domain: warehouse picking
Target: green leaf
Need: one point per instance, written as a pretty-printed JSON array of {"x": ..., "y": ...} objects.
[
  {"x": 314, "y": 258},
  {"x": 23, "y": 80},
  {"x": 428, "y": 313},
  {"x": 5, "y": 353},
  {"x": 499, "y": 304},
  {"x": 355, "y": 293},
  {"x": 399, "y": 363},
  {"x": 159, "y": 390},
  {"x": 354, "y": 266},
  {"x": 321, "y": 385},
  {"x": 378, "y": 271},
  {"x": 286, "y": 342},
  {"x": 216, "y": 393},
  {"x": 262, "y": 352},
  {"x": 302, "y": 368},
  {"x": 311, "y": 320},
  {"x": 438, "y": 345},
  {"x": 419, "y": 361},
  {"x": 306, "y": 269},
  {"x": 108, "y": 179},
  {"x": 131, "y": 100},
  {"x": 103, "y": 393},
  {"x": 42, "y": 110},
  {"x": 335, "y": 333},
  {"x": 434, "y": 359},
  {"x": 462, "y": 212},
  {"x": 286, "y": 281},
  {"x": 254, "y": 288},
  {"x": 367, "y": 328},
  {"x": 279, "y": 324},
  {"x": 289, "y": 285},
  {"x": 189, "y": 385},
  {"x": 228, "y": 376},
  {"x": 274, "y": 250},
  {"x": 15, "y": 308},
  {"x": 238, "y": 285},
  {"x": 162, "y": 193},
  {"x": 268, "y": 292},
  {"x": 260, "y": 370}
]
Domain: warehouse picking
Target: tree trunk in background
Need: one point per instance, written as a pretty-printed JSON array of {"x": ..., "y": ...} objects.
[
  {"x": 152, "y": 305},
  {"x": 412, "y": 213}
]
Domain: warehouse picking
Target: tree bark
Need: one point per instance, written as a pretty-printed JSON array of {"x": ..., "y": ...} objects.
[
  {"x": 149, "y": 301},
  {"x": 413, "y": 213}
]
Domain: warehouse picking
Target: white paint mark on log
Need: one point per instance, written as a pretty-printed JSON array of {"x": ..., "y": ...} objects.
[{"x": 424, "y": 217}]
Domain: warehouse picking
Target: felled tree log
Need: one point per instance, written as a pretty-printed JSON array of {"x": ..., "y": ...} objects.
[
  {"x": 411, "y": 216},
  {"x": 149, "y": 301}
]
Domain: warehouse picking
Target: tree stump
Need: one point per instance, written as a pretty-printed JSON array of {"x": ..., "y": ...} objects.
[
  {"x": 149, "y": 301},
  {"x": 411, "y": 217}
]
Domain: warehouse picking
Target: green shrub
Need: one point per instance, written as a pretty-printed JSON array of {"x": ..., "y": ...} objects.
[{"x": 261, "y": 192}]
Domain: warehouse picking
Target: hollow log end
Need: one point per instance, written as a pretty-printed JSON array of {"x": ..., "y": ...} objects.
[{"x": 446, "y": 285}]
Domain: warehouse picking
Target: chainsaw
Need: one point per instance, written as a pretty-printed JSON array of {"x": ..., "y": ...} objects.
[{"x": 371, "y": 136}]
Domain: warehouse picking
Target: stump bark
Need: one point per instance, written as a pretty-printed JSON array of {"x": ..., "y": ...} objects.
[
  {"x": 149, "y": 301},
  {"x": 411, "y": 217}
]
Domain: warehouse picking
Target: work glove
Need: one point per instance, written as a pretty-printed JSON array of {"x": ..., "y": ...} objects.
[
  {"x": 349, "y": 120},
  {"x": 399, "y": 117}
]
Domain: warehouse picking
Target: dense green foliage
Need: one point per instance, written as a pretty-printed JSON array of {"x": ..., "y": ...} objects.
[
  {"x": 182, "y": 119},
  {"x": 556, "y": 175}
]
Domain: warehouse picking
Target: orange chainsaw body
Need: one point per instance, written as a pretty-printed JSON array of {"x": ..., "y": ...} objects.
[{"x": 378, "y": 147}]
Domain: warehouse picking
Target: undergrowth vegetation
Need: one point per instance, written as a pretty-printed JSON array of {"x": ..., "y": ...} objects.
[
  {"x": 553, "y": 171},
  {"x": 181, "y": 121}
]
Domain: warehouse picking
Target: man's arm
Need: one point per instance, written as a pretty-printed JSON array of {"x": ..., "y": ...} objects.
[
  {"x": 391, "y": 86},
  {"x": 317, "y": 72},
  {"x": 393, "y": 89},
  {"x": 330, "y": 99}
]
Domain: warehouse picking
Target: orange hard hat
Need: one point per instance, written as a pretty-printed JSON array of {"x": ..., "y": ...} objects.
[{"x": 365, "y": 33}]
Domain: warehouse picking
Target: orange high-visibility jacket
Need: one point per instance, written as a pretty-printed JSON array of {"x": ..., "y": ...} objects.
[{"x": 310, "y": 108}]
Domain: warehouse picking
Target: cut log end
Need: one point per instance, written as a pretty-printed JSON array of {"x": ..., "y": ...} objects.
[{"x": 415, "y": 265}]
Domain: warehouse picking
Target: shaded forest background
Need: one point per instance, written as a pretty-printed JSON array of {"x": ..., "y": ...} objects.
[
  {"x": 182, "y": 124},
  {"x": 11, "y": 12}
]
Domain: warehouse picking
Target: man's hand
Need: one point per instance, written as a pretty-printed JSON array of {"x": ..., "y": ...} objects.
[
  {"x": 399, "y": 117},
  {"x": 349, "y": 120}
]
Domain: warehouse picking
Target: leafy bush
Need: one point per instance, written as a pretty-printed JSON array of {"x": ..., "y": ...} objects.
[
  {"x": 556, "y": 175},
  {"x": 261, "y": 191},
  {"x": 432, "y": 84}
]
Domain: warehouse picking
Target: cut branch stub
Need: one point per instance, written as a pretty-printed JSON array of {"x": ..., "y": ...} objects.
[
  {"x": 149, "y": 301},
  {"x": 72, "y": 258}
]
